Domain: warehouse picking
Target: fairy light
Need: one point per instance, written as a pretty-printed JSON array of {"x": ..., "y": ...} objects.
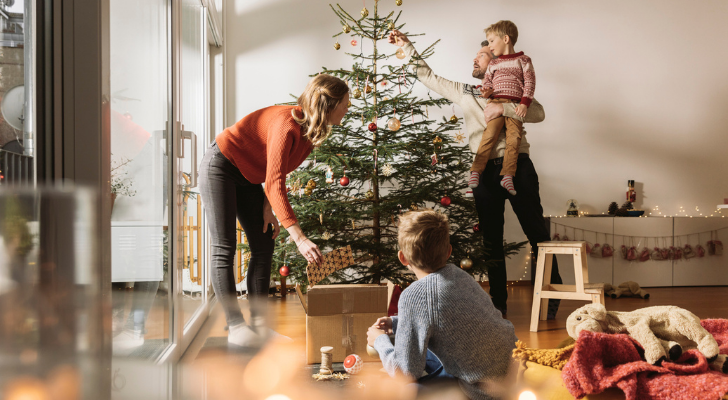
[{"x": 527, "y": 395}]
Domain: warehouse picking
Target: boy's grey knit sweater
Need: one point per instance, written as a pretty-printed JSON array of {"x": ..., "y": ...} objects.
[{"x": 449, "y": 313}]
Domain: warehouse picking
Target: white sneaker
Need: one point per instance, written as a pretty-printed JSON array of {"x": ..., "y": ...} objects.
[
  {"x": 127, "y": 341},
  {"x": 268, "y": 333},
  {"x": 244, "y": 336}
]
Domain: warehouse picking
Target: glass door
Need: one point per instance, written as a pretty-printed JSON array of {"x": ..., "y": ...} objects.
[{"x": 140, "y": 86}]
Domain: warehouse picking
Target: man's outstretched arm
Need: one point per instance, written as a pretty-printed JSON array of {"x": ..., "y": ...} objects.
[{"x": 448, "y": 89}]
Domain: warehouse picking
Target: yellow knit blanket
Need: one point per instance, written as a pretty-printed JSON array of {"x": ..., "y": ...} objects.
[{"x": 555, "y": 358}]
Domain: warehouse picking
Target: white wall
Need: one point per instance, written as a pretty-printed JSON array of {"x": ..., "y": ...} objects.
[{"x": 632, "y": 89}]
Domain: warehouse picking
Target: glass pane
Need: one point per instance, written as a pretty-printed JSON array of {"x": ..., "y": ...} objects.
[
  {"x": 193, "y": 114},
  {"x": 16, "y": 87},
  {"x": 139, "y": 115}
]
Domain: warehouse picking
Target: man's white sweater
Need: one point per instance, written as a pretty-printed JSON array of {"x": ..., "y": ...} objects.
[{"x": 468, "y": 98}]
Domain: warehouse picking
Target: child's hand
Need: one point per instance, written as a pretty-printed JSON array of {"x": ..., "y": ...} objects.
[
  {"x": 373, "y": 333},
  {"x": 485, "y": 93},
  {"x": 385, "y": 324},
  {"x": 521, "y": 110}
]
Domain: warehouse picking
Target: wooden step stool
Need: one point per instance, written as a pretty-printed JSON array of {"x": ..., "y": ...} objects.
[{"x": 583, "y": 290}]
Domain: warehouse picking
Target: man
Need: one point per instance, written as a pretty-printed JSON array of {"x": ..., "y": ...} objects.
[{"x": 489, "y": 196}]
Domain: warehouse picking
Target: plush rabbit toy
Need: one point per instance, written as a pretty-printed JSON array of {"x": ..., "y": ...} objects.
[{"x": 661, "y": 330}]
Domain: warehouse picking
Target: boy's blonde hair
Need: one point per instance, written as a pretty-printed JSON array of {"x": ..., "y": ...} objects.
[
  {"x": 424, "y": 238},
  {"x": 503, "y": 28}
]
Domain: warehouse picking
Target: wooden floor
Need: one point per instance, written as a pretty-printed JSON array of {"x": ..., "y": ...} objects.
[{"x": 288, "y": 317}]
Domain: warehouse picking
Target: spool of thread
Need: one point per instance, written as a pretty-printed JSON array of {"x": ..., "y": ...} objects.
[{"x": 327, "y": 368}]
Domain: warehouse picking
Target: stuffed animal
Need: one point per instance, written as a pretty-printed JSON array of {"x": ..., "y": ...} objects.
[
  {"x": 627, "y": 289},
  {"x": 660, "y": 330}
]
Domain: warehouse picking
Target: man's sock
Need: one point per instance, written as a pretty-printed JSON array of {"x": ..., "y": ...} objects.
[
  {"x": 474, "y": 179},
  {"x": 507, "y": 183}
]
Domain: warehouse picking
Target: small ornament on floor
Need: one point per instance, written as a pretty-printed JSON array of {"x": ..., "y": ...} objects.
[{"x": 353, "y": 364}]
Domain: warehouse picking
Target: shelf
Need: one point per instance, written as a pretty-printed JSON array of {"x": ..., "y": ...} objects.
[{"x": 722, "y": 205}]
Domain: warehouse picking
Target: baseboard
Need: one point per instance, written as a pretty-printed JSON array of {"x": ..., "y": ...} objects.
[{"x": 486, "y": 284}]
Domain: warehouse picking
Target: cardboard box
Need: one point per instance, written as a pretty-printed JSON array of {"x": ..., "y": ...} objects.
[{"x": 339, "y": 316}]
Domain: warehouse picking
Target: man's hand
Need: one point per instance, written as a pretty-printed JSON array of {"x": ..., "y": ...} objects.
[
  {"x": 485, "y": 93},
  {"x": 398, "y": 38},
  {"x": 373, "y": 333},
  {"x": 269, "y": 218},
  {"x": 385, "y": 324},
  {"x": 492, "y": 111},
  {"x": 521, "y": 110}
]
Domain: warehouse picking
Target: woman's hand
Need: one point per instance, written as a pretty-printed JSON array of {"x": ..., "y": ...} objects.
[
  {"x": 269, "y": 218},
  {"x": 310, "y": 251},
  {"x": 397, "y": 38}
]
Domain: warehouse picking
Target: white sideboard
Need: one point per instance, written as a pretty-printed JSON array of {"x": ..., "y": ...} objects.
[{"x": 650, "y": 232}]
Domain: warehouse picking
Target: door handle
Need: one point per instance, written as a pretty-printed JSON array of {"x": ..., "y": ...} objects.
[{"x": 193, "y": 149}]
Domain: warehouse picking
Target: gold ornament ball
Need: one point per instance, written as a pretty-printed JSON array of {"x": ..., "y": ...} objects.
[
  {"x": 357, "y": 93},
  {"x": 349, "y": 105},
  {"x": 393, "y": 124},
  {"x": 453, "y": 119},
  {"x": 437, "y": 140},
  {"x": 400, "y": 54},
  {"x": 368, "y": 89},
  {"x": 337, "y": 46},
  {"x": 370, "y": 194},
  {"x": 346, "y": 28},
  {"x": 413, "y": 207},
  {"x": 311, "y": 184},
  {"x": 466, "y": 263},
  {"x": 390, "y": 25},
  {"x": 308, "y": 191},
  {"x": 364, "y": 12},
  {"x": 398, "y": 2}
]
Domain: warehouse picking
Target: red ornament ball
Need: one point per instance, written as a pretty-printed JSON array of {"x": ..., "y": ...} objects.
[
  {"x": 353, "y": 364},
  {"x": 372, "y": 127},
  {"x": 445, "y": 201},
  {"x": 284, "y": 270},
  {"x": 344, "y": 181},
  {"x": 476, "y": 228}
]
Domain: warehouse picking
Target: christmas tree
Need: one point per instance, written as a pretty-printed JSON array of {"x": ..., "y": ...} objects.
[{"x": 387, "y": 157}]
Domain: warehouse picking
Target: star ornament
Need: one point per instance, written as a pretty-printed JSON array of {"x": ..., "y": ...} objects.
[
  {"x": 460, "y": 137},
  {"x": 387, "y": 170}
]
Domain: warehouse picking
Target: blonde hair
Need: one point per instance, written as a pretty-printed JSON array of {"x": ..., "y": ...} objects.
[
  {"x": 424, "y": 238},
  {"x": 504, "y": 28},
  {"x": 322, "y": 94}
]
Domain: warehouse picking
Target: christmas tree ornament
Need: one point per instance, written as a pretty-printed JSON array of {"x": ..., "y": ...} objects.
[
  {"x": 390, "y": 25},
  {"x": 466, "y": 263},
  {"x": 384, "y": 83},
  {"x": 357, "y": 93},
  {"x": 368, "y": 89},
  {"x": 400, "y": 54},
  {"x": 613, "y": 206},
  {"x": 386, "y": 98},
  {"x": 364, "y": 12},
  {"x": 445, "y": 201},
  {"x": 437, "y": 140},
  {"x": 326, "y": 236},
  {"x": 453, "y": 119},
  {"x": 353, "y": 364},
  {"x": 284, "y": 270},
  {"x": 413, "y": 207},
  {"x": 353, "y": 42},
  {"x": 398, "y": 2},
  {"x": 349, "y": 105},
  {"x": 346, "y": 28},
  {"x": 388, "y": 169},
  {"x": 434, "y": 158},
  {"x": 308, "y": 191},
  {"x": 321, "y": 218},
  {"x": 311, "y": 184},
  {"x": 344, "y": 181},
  {"x": 460, "y": 137},
  {"x": 372, "y": 127},
  {"x": 476, "y": 228},
  {"x": 337, "y": 46},
  {"x": 370, "y": 194},
  {"x": 329, "y": 175},
  {"x": 393, "y": 124},
  {"x": 573, "y": 208}
]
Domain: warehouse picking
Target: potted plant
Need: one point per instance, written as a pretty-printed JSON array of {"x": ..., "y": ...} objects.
[{"x": 121, "y": 185}]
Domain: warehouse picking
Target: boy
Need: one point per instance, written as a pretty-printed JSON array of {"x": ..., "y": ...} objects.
[
  {"x": 509, "y": 78},
  {"x": 447, "y": 324}
]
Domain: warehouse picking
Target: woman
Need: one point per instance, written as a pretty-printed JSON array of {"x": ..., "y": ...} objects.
[{"x": 264, "y": 146}]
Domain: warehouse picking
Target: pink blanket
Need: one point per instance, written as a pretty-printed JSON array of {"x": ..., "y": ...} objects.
[{"x": 601, "y": 361}]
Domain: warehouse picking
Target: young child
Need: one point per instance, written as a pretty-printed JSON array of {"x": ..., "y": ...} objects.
[
  {"x": 509, "y": 78},
  {"x": 447, "y": 324}
]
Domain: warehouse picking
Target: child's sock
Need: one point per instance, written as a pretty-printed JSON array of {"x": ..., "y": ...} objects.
[
  {"x": 474, "y": 179},
  {"x": 507, "y": 183}
]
